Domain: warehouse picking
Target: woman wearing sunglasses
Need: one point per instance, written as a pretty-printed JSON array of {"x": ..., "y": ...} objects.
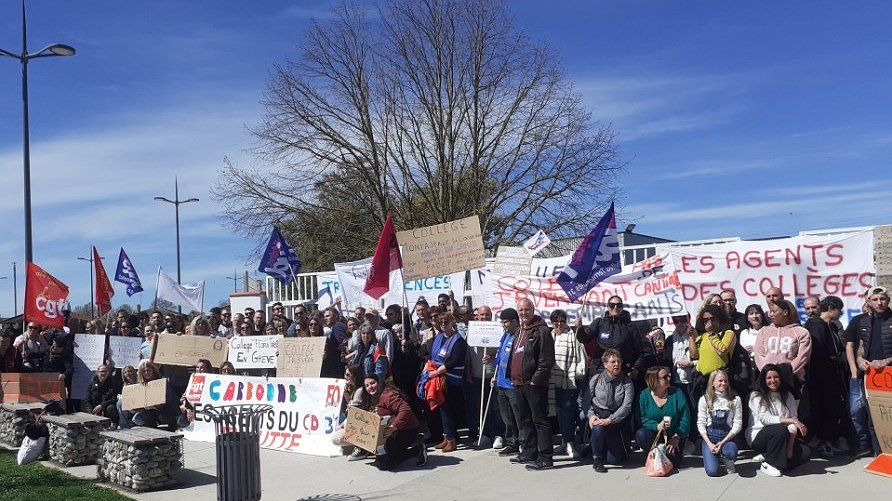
[{"x": 615, "y": 330}]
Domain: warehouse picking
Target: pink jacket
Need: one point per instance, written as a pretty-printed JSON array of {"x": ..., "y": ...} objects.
[{"x": 788, "y": 344}]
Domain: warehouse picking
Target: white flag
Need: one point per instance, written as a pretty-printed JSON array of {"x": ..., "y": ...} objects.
[
  {"x": 188, "y": 295},
  {"x": 536, "y": 243}
]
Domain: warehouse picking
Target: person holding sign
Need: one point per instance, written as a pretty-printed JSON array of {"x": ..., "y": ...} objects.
[
  {"x": 447, "y": 351},
  {"x": 151, "y": 416},
  {"x": 401, "y": 434}
]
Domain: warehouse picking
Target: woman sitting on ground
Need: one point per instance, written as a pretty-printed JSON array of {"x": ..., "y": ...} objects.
[
  {"x": 102, "y": 396},
  {"x": 662, "y": 408},
  {"x": 402, "y": 440},
  {"x": 354, "y": 396},
  {"x": 613, "y": 394},
  {"x": 719, "y": 420},
  {"x": 774, "y": 424}
]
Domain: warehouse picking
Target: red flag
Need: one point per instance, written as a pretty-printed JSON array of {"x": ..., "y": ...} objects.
[
  {"x": 104, "y": 289},
  {"x": 386, "y": 259},
  {"x": 44, "y": 297}
]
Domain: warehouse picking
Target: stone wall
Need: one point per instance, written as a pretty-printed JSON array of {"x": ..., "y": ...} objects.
[
  {"x": 137, "y": 460},
  {"x": 74, "y": 438}
]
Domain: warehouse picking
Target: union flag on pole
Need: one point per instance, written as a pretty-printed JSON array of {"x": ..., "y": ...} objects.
[
  {"x": 45, "y": 296},
  {"x": 386, "y": 259},
  {"x": 104, "y": 289}
]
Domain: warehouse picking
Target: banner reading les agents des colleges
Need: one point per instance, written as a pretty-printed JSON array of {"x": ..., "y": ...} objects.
[
  {"x": 839, "y": 265},
  {"x": 304, "y": 415}
]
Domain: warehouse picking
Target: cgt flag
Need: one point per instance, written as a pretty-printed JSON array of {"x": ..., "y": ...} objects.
[
  {"x": 45, "y": 297},
  {"x": 279, "y": 260},
  {"x": 386, "y": 259},
  {"x": 126, "y": 274},
  {"x": 104, "y": 290},
  {"x": 596, "y": 259}
]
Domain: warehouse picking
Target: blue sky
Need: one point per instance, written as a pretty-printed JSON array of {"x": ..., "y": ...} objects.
[{"x": 736, "y": 119}]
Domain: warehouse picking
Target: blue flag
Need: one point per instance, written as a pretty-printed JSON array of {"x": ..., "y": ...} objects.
[
  {"x": 279, "y": 260},
  {"x": 126, "y": 274},
  {"x": 596, "y": 259}
]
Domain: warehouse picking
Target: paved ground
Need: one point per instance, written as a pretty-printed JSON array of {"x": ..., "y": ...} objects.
[{"x": 472, "y": 475}]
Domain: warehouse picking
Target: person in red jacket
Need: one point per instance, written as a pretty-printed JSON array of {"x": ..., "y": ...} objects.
[{"x": 402, "y": 438}]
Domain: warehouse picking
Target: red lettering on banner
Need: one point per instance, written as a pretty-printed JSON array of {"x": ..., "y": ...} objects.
[
  {"x": 333, "y": 395},
  {"x": 838, "y": 257},
  {"x": 706, "y": 264}
]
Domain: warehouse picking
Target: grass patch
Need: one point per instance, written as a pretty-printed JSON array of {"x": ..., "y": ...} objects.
[{"x": 35, "y": 482}]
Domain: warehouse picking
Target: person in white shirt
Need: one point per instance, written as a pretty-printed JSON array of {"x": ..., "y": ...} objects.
[
  {"x": 719, "y": 420},
  {"x": 774, "y": 425}
]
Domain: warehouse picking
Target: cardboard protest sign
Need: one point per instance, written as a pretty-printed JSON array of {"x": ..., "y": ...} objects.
[
  {"x": 300, "y": 356},
  {"x": 512, "y": 261},
  {"x": 141, "y": 396},
  {"x": 186, "y": 350},
  {"x": 89, "y": 354},
  {"x": 486, "y": 334},
  {"x": 363, "y": 429},
  {"x": 442, "y": 248},
  {"x": 304, "y": 413},
  {"x": 879, "y": 397},
  {"x": 821, "y": 265},
  {"x": 25, "y": 388},
  {"x": 254, "y": 352},
  {"x": 124, "y": 351}
]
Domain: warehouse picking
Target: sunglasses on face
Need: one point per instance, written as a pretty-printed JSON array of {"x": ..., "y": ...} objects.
[{"x": 615, "y": 305}]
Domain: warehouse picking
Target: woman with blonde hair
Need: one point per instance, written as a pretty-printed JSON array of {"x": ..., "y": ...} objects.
[{"x": 719, "y": 420}]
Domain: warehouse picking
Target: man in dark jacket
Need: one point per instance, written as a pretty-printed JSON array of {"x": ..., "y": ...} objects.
[
  {"x": 529, "y": 366},
  {"x": 616, "y": 330}
]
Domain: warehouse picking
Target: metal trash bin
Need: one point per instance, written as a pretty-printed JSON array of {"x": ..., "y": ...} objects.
[{"x": 238, "y": 450}]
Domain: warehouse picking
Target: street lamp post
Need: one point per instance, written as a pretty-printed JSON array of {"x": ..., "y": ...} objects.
[
  {"x": 176, "y": 203},
  {"x": 56, "y": 49},
  {"x": 15, "y": 291},
  {"x": 234, "y": 279}
]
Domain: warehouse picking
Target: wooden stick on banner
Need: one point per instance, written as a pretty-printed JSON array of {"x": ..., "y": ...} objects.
[
  {"x": 485, "y": 411},
  {"x": 482, "y": 409}
]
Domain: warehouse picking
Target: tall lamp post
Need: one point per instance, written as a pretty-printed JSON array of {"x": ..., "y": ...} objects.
[
  {"x": 176, "y": 203},
  {"x": 15, "y": 291},
  {"x": 92, "y": 290},
  {"x": 56, "y": 49}
]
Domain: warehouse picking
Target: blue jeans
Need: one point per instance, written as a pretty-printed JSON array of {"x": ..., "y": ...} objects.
[
  {"x": 608, "y": 444},
  {"x": 567, "y": 412},
  {"x": 711, "y": 461},
  {"x": 860, "y": 413}
]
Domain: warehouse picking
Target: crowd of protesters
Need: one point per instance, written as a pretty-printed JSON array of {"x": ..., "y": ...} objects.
[{"x": 719, "y": 382}]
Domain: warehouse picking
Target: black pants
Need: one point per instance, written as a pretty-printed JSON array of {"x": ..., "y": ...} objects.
[
  {"x": 535, "y": 428},
  {"x": 771, "y": 442},
  {"x": 507, "y": 403},
  {"x": 399, "y": 447}
]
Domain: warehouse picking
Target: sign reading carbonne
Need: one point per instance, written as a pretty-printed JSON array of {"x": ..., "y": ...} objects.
[{"x": 442, "y": 249}]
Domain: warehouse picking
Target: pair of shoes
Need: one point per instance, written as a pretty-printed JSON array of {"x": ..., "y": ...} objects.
[
  {"x": 522, "y": 459},
  {"x": 498, "y": 443},
  {"x": 442, "y": 444},
  {"x": 357, "y": 454},
  {"x": 449, "y": 447},
  {"x": 541, "y": 464},
  {"x": 422, "y": 456},
  {"x": 431, "y": 440},
  {"x": 759, "y": 458},
  {"x": 598, "y": 465},
  {"x": 560, "y": 450},
  {"x": 769, "y": 470},
  {"x": 729, "y": 465},
  {"x": 509, "y": 451}
]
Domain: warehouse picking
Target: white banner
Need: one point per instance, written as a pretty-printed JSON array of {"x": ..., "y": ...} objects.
[
  {"x": 124, "y": 351},
  {"x": 649, "y": 288},
  {"x": 186, "y": 295},
  {"x": 486, "y": 334},
  {"x": 304, "y": 411},
  {"x": 839, "y": 265},
  {"x": 349, "y": 279},
  {"x": 89, "y": 354},
  {"x": 253, "y": 352}
]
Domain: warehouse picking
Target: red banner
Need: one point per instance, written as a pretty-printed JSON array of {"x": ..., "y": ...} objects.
[
  {"x": 104, "y": 290},
  {"x": 44, "y": 297}
]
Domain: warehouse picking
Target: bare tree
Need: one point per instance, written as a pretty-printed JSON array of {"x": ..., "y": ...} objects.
[{"x": 433, "y": 110}]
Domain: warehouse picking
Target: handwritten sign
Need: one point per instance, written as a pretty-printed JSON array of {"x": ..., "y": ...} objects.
[
  {"x": 363, "y": 429},
  {"x": 141, "y": 396},
  {"x": 123, "y": 351},
  {"x": 89, "y": 354},
  {"x": 441, "y": 249},
  {"x": 486, "y": 334},
  {"x": 186, "y": 350},
  {"x": 879, "y": 397},
  {"x": 512, "y": 261},
  {"x": 16, "y": 388},
  {"x": 254, "y": 352},
  {"x": 300, "y": 356}
]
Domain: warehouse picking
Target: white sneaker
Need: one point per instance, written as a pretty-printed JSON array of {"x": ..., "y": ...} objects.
[
  {"x": 498, "y": 443},
  {"x": 759, "y": 458},
  {"x": 769, "y": 470}
]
